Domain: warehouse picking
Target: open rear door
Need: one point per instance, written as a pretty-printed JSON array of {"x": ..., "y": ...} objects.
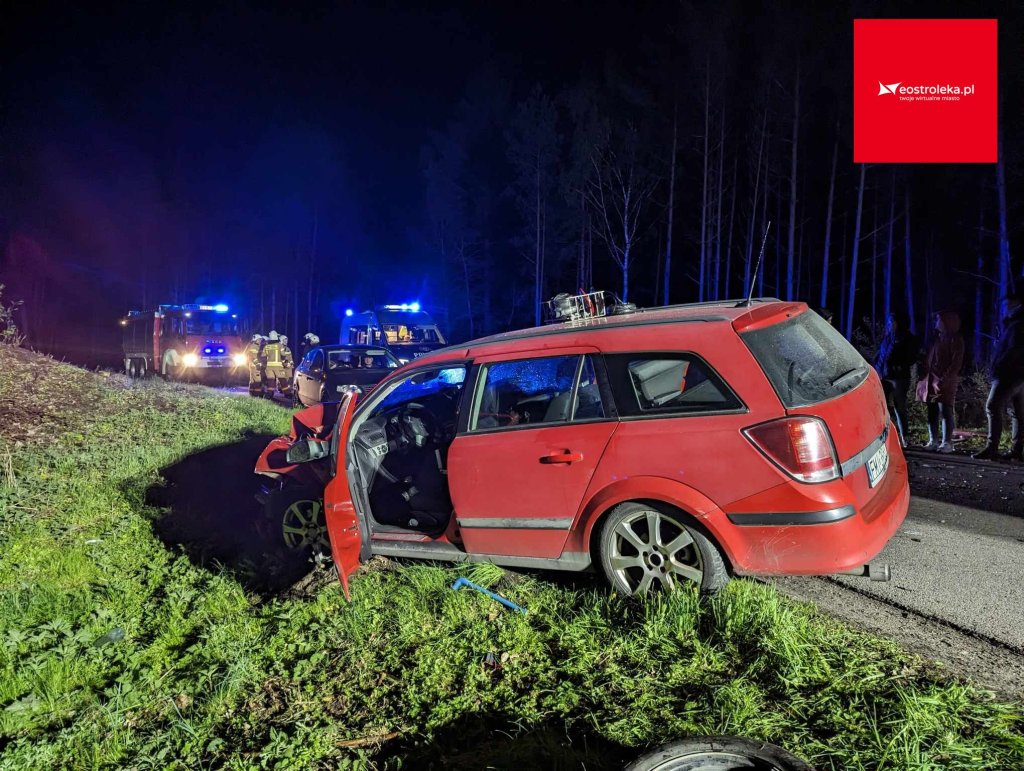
[{"x": 343, "y": 525}]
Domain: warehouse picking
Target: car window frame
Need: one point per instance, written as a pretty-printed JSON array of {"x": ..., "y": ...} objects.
[
  {"x": 669, "y": 413},
  {"x": 381, "y": 391},
  {"x": 475, "y": 396}
]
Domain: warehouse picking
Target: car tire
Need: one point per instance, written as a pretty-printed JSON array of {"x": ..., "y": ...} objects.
[
  {"x": 297, "y": 514},
  {"x": 718, "y": 753},
  {"x": 140, "y": 368},
  {"x": 680, "y": 554},
  {"x": 130, "y": 369}
]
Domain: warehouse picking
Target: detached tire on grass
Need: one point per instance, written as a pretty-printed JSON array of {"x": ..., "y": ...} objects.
[
  {"x": 719, "y": 753},
  {"x": 646, "y": 548}
]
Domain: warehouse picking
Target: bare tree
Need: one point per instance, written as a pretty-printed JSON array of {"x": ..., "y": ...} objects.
[
  {"x": 1005, "y": 273},
  {"x": 753, "y": 207},
  {"x": 619, "y": 191},
  {"x": 887, "y": 278},
  {"x": 718, "y": 212},
  {"x": 704, "y": 202},
  {"x": 908, "y": 266},
  {"x": 792, "y": 184},
  {"x": 828, "y": 222},
  {"x": 532, "y": 144},
  {"x": 671, "y": 203},
  {"x": 852, "y": 288},
  {"x": 732, "y": 217}
]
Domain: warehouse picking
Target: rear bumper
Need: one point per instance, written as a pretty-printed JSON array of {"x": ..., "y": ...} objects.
[{"x": 822, "y": 540}]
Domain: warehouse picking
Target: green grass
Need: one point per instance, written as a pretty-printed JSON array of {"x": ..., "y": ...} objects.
[{"x": 208, "y": 674}]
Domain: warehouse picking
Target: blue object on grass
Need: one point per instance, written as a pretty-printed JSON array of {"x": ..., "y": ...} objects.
[{"x": 460, "y": 582}]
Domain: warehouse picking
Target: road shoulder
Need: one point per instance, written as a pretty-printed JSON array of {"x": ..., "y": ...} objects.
[{"x": 990, "y": 666}]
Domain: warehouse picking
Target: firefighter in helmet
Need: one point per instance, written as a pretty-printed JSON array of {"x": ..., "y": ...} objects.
[
  {"x": 279, "y": 363},
  {"x": 289, "y": 364},
  {"x": 309, "y": 341},
  {"x": 255, "y": 353}
]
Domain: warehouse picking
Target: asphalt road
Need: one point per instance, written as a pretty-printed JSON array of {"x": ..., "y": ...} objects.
[{"x": 962, "y": 565}]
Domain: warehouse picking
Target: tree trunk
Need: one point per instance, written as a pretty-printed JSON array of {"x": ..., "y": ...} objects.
[
  {"x": 828, "y": 222},
  {"x": 538, "y": 265},
  {"x": 732, "y": 217},
  {"x": 582, "y": 257},
  {"x": 312, "y": 270},
  {"x": 718, "y": 214},
  {"x": 764, "y": 214},
  {"x": 747, "y": 285},
  {"x": 779, "y": 272},
  {"x": 979, "y": 353},
  {"x": 671, "y": 206},
  {"x": 887, "y": 279},
  {"x": 1005, "y": 273},
  {"x": 874, "y": 268},
  {"x": 843, "y": 280},
  {"x": 908, "y": 267},
  {"x": 851, "y": 299},
  {"x": 792, "y": 185},
  {"x": 704, "y": 203}
]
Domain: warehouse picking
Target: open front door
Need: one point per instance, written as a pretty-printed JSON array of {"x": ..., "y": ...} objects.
[{"x": 343, "y": 525}]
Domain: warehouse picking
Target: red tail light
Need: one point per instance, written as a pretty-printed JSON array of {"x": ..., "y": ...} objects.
[{"x": 800, "y": 446}]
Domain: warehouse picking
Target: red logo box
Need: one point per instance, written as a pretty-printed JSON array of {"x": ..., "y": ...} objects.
[{"x": 925, "y": 90}]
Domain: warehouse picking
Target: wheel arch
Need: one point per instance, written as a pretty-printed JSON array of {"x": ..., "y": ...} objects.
[{"x": 686, "y": 502}]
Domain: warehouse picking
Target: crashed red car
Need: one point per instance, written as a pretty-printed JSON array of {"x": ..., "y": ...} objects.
[{"x": 666, "y": 446}]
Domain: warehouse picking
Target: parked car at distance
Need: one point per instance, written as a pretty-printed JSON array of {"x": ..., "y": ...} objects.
[
  {"x": 325, "y": 371},
  {"x": 666, "y": 446}
]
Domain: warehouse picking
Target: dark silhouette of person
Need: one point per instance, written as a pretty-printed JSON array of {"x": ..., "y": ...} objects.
[
  {"x": 940, "y": 378},
  {"x": 899, "y": 351},
  {"x": 1007, "y": 392}
]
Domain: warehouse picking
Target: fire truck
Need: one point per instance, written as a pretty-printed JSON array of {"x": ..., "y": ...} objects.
[
  {"x": 185, "y": 342},
  {"x": 406, "y": 329}
]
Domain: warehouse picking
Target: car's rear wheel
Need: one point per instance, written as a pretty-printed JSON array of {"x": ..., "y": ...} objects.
[
  {"x": 647, "y": 548},
  {"x": 719, "y": 753}
]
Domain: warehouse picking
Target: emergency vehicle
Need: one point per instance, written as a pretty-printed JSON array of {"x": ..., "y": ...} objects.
[
  {"x": 406, "y": 329},
  {"x": 184, "y": 342}
]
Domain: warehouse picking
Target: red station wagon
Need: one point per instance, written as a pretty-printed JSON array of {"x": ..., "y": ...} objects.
[{"x": 670, "y": 445}]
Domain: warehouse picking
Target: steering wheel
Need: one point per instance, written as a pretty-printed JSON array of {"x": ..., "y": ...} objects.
[{"x": 417, "y": 424}]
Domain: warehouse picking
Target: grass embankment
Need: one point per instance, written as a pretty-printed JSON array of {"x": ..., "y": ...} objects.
[{"x": 119, "y": 648}]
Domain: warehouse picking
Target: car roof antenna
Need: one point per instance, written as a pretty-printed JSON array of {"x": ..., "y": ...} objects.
[{"x": 753, "y": 279}]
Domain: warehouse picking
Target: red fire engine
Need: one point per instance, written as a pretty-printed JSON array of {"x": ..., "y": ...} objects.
[{"x": 184, "y": 342}]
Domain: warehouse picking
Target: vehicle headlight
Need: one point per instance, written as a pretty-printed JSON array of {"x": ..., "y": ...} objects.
[
  {"x": 239, "y": 359},
  {"x": 190, "y": 360}
]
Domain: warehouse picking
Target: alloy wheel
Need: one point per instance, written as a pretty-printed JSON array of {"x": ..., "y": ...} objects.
[
  {"x": 651, "y": 549},
  {"x": 303, "y": 525}
]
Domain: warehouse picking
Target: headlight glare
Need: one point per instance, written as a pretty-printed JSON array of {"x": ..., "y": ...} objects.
[{"x": 190, "y": 360}]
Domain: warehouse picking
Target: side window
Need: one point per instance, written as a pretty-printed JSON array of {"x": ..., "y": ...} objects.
[
  {"x": 667, "y": 384},
  {"x": 317, "y": 362},
  {"x": 531, "y": 391}
]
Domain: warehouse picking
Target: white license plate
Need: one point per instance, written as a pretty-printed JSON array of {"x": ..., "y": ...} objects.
[{"x": 878, "y": 464}]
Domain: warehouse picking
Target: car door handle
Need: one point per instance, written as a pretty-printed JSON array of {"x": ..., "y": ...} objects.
[{"x": 562, "y": 457}]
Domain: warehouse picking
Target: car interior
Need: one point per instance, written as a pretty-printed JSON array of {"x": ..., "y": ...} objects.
[{"x": 402, "y": 451}]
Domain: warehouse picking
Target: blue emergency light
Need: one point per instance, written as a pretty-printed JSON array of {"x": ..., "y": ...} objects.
[
  {"x": 348, "y": 311},
  {"x": 221, "y": 308}
]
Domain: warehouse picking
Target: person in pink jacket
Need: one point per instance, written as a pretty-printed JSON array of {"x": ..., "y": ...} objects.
[{"x": 940, "y": 378}]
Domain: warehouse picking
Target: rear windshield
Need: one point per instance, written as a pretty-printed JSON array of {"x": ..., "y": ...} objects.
[{"x": 806, "y": 360}]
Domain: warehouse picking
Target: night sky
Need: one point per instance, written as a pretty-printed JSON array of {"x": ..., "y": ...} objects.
[{"x": 150, "y": 150}]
